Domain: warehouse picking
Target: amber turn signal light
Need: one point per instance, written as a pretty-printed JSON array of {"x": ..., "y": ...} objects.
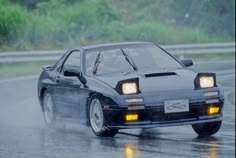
[
  {"x": 131, "y": 117},
  {"x": 213, "y": 109}
]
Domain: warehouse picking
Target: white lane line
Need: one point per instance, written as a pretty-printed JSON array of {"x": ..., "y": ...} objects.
[
  {"x": 229, "y": 123},
  {"x": 213, "y": 145},
  {"x": 19, "y": 79},
  {"x": 227, "y": 136},
  {"x": 209, "y": 144}
]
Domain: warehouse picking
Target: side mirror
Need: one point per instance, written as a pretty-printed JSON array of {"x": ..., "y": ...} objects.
[
  {"x": 187, "y": 62},
  {"x": 71, "y": 72}
]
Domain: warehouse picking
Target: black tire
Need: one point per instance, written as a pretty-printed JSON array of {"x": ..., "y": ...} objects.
[
  {"x": 97, "y": 121},
  {"x": 207, "y": 129},
  {"x": 49, "y": 120}
]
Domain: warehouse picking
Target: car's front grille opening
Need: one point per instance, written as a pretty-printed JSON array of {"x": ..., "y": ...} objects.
[
  {"x": 161, "y": 116},
  {"x": 160, "y": 74},
  {"x": 172, "y": 117}
]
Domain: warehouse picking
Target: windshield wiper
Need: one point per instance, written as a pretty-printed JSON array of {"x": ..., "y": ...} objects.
[
  {"x": 96, "y": 64},
  {"x": 129, "y": 60}
]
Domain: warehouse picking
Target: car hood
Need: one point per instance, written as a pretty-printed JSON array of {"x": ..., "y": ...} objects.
[{"x": 156, "y": 81}]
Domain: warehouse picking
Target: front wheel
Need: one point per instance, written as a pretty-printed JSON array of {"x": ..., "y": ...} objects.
[
  {"x": 96, "y": 118},
  {"x": 207, "y": 129}
]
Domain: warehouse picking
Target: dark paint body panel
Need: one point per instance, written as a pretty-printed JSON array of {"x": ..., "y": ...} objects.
[
  {"x": 182, "y": 80},
  {"x": 71, "y": 97}
]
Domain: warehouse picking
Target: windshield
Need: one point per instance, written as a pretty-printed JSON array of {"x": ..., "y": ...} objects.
[{"x": 128, "y": 59}]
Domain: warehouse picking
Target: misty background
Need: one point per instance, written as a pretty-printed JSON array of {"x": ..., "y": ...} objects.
[{"x": 56, "y": 24}]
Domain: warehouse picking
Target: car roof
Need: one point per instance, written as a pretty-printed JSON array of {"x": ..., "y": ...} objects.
[{"x": 114, "y": 44}]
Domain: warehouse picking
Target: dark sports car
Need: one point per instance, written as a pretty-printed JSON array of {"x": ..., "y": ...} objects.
[{"x": 129, "y": 85}]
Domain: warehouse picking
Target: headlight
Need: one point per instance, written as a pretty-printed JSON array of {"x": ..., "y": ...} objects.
[
  {"x": 129, "y": 88},
  {"x": 207, "y": 81}
]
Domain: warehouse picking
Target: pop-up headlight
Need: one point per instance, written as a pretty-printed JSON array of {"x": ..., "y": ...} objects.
[
  {"x": 129, "y": 86},
  {"x": 205, "y": 80}
]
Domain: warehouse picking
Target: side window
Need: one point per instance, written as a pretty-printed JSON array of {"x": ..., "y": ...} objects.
[{"x": 72, "y": 61}]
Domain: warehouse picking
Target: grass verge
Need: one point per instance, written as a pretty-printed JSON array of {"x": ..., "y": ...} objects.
[{"x": 21, "y": 69}]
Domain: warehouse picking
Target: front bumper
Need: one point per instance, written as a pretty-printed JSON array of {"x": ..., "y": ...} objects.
[{"x": 151, "y": 117}]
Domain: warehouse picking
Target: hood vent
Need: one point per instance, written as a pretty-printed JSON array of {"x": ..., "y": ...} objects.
[{"x": 160, "y": 74}]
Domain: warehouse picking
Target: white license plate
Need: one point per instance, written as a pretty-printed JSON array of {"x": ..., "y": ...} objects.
[{"x": 172, "y": 106}]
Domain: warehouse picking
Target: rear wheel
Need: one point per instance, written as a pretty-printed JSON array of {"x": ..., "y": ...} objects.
[
  {"x": 48, "y": 109},
  {"x": 207, "y": 129},
  {"x": 96, "y": 118}
]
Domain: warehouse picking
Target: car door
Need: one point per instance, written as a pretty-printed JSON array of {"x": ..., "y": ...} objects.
[{"x": 67, "y": 90}]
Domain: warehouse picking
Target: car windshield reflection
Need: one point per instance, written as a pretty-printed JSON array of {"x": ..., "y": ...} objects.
[{"x": 128, "y": 59}]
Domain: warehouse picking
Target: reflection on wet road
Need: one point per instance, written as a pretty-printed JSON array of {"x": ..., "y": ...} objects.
[
  {"x": 80, "y": 142},
  {"x": 23, "y": 133}
]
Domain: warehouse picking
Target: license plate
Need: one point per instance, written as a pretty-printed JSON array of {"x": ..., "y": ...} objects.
[{"x": 172, "y": 106}]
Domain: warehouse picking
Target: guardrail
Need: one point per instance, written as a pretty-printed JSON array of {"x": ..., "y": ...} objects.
[{"x": 180, "y": 49}]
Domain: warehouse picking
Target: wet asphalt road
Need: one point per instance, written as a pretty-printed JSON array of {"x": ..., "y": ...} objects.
[{"x": 23, "y": 133}]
